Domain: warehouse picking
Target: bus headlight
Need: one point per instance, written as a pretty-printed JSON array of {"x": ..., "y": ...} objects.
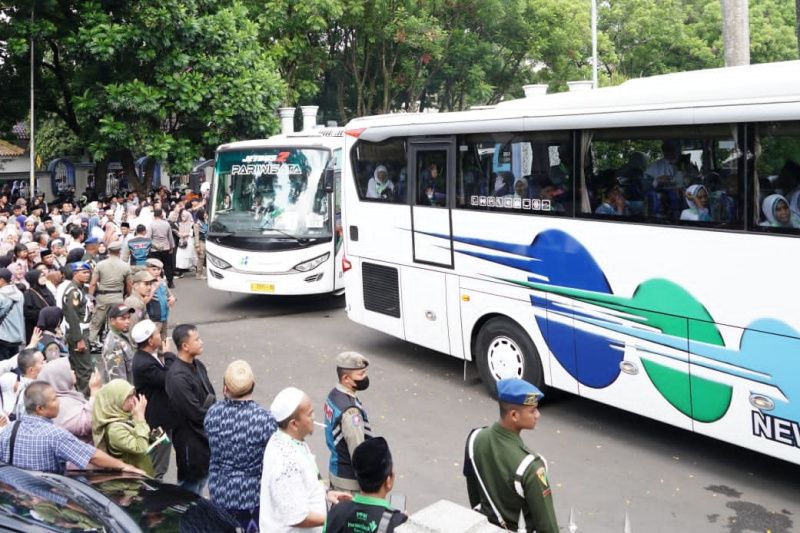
[
  {"x": 217, "y": 262},
  {"x": 312, "y": 263}
]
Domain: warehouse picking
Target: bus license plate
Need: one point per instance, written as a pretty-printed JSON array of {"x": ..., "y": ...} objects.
[{"x": 262, "y": 287}]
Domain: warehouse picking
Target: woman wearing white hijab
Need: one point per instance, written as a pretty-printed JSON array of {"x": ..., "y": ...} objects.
[
  {"x": 380, "y": 186},
  {"x": 697, "y": 202},
  {"x": 776, "y": 210}
]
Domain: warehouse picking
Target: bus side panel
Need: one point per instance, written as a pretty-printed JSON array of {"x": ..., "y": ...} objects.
[
  {"x": 425, "y": 308},
  {"x": 723, "y": 408},
  {"x": 453, "y": 301},
  {"x": 356, "y": 308}
]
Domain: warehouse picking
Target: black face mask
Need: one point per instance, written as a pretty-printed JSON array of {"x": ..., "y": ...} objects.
[{"x": 361, "y": 384}]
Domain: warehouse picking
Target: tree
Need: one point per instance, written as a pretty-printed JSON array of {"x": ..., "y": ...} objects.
[{"x": 167, "y": 79}]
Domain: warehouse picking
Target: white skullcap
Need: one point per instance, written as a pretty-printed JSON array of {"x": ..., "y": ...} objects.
[{"x": 286, "y": 403}]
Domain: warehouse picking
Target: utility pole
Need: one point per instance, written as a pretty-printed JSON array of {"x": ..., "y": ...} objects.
[
  {"x": 594, "y": 44},
  {"x": 736, "y": 32},
  {"x": 32, "y": 143}
]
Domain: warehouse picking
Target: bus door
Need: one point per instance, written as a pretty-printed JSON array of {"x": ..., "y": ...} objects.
[
  {"x": 425, "y": 317},
  {"x": 431, "y": 163}
]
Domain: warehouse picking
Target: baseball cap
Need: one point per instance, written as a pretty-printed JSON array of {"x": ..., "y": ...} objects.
[
  {"x": 115, "y": 246},
  {"x": 142, "y": 331},
  {"x": 120, "y": 310}
]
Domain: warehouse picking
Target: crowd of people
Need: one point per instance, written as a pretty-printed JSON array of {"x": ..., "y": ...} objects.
[{"x": 89, "y": 377}]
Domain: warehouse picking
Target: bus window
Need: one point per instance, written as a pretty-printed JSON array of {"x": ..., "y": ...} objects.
[
  {"x": 530, "y": 173},
  {"x": 432, "y": 178},
  {"x": 380, "y": 170},
  {"x": 664, "y": 174},
  {"x": 776, "y": 178}
]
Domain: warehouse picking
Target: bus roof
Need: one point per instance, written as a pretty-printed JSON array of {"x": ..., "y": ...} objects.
[
  {"x": 326, "y": 137},
  {"x": 769, "y": 91}
]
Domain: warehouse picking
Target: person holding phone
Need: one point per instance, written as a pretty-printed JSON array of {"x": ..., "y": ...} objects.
[{"x": 372, "y": 462}]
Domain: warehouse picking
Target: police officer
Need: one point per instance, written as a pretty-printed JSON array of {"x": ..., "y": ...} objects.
[
  {"x": 111, "y": 281},
  {"x": 118, "y": 349},
  {"x": 347, "y": 423},
  {"x": 76, "y": 315},
  {"x": 507, "y": 481}
]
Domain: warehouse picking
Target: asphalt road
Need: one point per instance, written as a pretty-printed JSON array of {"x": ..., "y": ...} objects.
[{"x": 604, "y": 463}]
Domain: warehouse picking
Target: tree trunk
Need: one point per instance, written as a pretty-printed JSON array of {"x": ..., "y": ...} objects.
[
  {"x": 736, "y": 32},
  {"x": 149, "y": 170},
  {"x": 100, "y": 175},
  {"x": 797, "y": 23},
  {"x": 129, "y": 169}
]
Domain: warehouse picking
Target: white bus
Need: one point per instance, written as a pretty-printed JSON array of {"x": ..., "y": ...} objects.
[
  {"x": 275, "y": 215},
  {"x": 636, "y": 245}
]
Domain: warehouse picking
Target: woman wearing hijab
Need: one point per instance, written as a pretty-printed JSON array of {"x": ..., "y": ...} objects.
[
  {"x": 697, "y": 202},
  {"x": 52, "y": 343},
  {"x": 776, "y": 211},
  {"x": 118, "y": 425},
  {"x": 379, "y": 185},
  {"x": 184, "y": 256},
  {"x": 37, "y": 297},
  {"x": 75, "y": 411},
  {"x": 19, "y": 266}
]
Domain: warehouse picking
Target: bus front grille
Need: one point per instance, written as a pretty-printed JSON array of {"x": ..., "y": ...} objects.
[{"x": 381, "y": 289}]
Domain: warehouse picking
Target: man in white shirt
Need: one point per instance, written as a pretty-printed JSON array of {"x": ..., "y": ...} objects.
[
  {"x": 31, "y": 362},
  {"x": 292, "y": 492}
]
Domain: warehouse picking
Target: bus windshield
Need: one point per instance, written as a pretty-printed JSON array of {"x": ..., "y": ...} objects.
[{"x": 271, "y": 191}]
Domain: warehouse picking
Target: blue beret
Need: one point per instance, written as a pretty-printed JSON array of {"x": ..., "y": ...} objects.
[
  {"x": 518, "y": 392},
  {"x": 79, "y": 265},
  {"x": 91, "y": 240}
]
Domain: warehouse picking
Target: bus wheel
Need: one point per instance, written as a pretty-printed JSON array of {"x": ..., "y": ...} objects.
[{"x": 504, "y": 350}]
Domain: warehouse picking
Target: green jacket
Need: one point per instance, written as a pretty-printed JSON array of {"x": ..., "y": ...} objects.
[{"x": 498, "y": 454}]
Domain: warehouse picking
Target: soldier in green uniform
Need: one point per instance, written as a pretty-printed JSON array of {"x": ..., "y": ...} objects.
[
  {"x": 76, "y": 315},
  {"x": 116, "y": 361},
  {"x": 111, "y": 281},
  {"x": 506, "y": 481}
]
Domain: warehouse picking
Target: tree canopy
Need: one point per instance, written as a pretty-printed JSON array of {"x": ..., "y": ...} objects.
[{"x": 174, "y": 78}]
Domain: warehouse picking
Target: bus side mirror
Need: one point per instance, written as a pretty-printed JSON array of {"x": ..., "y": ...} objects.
[{"x": 328, "y": 179}]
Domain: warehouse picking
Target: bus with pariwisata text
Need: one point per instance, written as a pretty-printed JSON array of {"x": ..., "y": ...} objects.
[
  {"x": 275, "y": 215},
  {"x": 636, "y": 245}
]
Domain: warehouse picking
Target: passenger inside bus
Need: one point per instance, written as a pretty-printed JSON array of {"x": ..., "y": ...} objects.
[
  {"x": 432, "y": 189},
  {"x": 613, "y": 202},
  {"x": 380, "y": 186},
  {"x": 776, "y": 210},
  {"x": 697, "y": 202},
  {"x": 665, "y": 173}
]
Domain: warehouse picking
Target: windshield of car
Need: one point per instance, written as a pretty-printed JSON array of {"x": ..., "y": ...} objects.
[
  {"x": 36, "y": 501},
  {"x": 271, "y": 191}
]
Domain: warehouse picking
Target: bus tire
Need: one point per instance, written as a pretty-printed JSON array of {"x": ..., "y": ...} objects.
[{"x": 504, "y": 350}]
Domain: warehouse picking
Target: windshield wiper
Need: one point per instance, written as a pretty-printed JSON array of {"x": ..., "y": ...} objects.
[
  {"x": 300, "y": 240},
  {"x": 219, "y": 234}
]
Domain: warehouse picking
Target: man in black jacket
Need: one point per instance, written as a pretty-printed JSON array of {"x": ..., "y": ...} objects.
[
  {"x": 190, "y": 394},
  {"x": 149, "y": 378}
]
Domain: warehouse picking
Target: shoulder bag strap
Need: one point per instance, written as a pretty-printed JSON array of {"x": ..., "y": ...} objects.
[
  {"x": 386, "y": 518},
  {"x": 471, "y": 451},
  {"x": 12, "y": 442}
]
